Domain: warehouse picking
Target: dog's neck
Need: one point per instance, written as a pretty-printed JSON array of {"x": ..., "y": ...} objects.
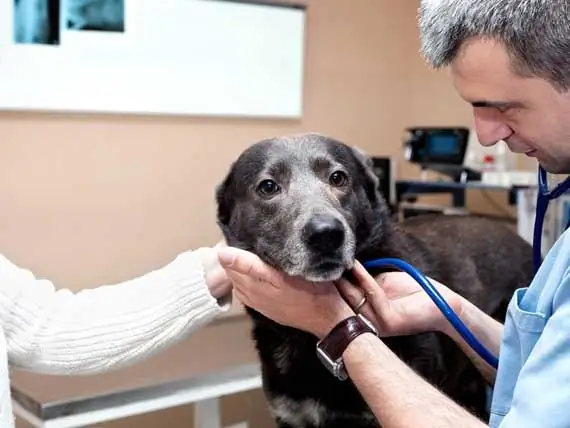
[{"x": 388, "y": 242}]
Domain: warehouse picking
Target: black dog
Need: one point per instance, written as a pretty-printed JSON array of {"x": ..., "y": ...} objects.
[{"x": 308, "y": 205}]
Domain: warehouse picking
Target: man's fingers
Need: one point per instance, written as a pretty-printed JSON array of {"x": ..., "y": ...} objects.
[
  {"x": 364, "y": 279},
  {"x": 351, "y": 293},
  {"x": 354, "y": 296},
  {"x": 374, "y": 291},
  {"x": 246, "y": 263}
]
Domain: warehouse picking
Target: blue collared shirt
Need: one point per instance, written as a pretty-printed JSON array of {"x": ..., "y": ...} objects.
[{"x": 532, "y": 388}]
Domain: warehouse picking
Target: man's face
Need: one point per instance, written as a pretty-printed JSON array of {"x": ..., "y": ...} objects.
[{"x": 527, "y": 113}]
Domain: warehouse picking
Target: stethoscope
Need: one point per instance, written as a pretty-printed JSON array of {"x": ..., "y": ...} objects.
[{"x": 544, "y": 196}]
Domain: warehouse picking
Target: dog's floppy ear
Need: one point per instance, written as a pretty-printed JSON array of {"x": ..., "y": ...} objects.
[
  {"x": 223, "y": 200},
  {"x": 371, "y": 180}
]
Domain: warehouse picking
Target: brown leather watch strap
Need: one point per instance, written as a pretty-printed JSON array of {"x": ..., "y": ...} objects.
[{"x": 335, "y": 343}]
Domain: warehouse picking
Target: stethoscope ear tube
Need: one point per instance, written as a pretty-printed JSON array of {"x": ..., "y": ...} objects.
[{"x": 543, "y": 197}]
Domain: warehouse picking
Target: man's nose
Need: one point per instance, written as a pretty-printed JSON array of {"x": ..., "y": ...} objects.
[{"x": 491, "y": 130}]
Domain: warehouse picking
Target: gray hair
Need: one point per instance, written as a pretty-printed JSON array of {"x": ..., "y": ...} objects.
[{"x": 535, "y": 33}]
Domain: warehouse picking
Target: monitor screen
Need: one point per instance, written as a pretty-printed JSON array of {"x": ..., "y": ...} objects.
[
  {"x": 437, "y": 145},
  {"x": 443, "y": 145}
]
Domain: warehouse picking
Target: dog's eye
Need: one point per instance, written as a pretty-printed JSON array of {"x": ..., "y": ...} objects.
[
  {"x": 338, "y": 179},
  {"x": 268, "y": 188}
]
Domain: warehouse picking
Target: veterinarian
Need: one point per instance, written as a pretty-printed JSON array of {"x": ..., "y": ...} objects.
[
  {"x": 510, "y": 59},
  {"x": 58, "y": 332}
]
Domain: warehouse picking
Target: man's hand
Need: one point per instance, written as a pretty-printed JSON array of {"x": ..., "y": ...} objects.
[
  {"x": 292, "y": 301},
  {"x": 396, "y": 303}
]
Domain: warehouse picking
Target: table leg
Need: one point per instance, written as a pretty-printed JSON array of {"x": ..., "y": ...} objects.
[{"x": 207, "y": 414}]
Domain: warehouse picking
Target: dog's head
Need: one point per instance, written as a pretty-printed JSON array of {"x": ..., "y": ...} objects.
[{"x": 306, "y": 204}]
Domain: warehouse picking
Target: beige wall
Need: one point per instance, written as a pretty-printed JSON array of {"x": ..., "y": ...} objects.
[
  {"x": 87, "y": 200},
  {"x": 92, "y": 199}
]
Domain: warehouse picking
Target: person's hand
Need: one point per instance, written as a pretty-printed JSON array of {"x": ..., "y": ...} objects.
[
  {"x": 216, "y": 277},
  {"x": 396, "y": 303},
  {"x": 313, "y": 307}
]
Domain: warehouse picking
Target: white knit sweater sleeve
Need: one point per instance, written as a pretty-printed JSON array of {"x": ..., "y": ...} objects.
[{"x": 61, "y": 332}]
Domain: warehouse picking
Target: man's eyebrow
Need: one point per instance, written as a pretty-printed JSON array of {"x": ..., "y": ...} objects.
[{"x": 501, "y": 105}]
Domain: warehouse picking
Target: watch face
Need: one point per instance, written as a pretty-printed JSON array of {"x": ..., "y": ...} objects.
[{"x": 335, "y": 367}]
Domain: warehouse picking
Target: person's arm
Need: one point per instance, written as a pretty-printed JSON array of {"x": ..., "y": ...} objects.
[
  {"x": 398, "y": 397},
  {"x": 61, "y": 332},
  {"x": 487, "y": 330},
  {"x": 397, "y": 305}
]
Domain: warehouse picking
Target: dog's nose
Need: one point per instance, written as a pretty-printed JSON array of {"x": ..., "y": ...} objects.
[{"x": 324, "y": 233}]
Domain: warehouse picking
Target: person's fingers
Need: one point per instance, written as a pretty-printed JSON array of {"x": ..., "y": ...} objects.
[
  {"x": 218, "y": 282},
  {"x": 350, "y": 292},
  {"x": 246, "y": 263},
  {"x": 357, "y": 299},
  {"x": 221, "y": 244},
  {"x": 243, "y": 298},
  {"x": 364, "y": 279},
  {"x": 246, "y": 284},
  {"x": 374, "y": 291},
  {"x": 248, "y": 288},
  {"x": 367, "y": 282}
]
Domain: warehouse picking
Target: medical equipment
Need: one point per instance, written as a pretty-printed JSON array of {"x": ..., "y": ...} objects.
[
  {"x": 544, "y": 196},
  {"x": 440, "y": 149},
  {"x": 440, "y": 302}
]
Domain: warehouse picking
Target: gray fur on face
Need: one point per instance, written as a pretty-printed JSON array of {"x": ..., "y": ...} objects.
[
  {"x": 307, "y": 228},
  {"x": 535, "y": 33}
]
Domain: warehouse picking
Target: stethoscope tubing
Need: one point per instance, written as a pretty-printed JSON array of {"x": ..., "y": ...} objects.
[{"x": 543, "y": 198}]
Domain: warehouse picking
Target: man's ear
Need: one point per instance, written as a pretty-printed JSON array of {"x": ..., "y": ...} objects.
[{"x": 366, "y": 167}]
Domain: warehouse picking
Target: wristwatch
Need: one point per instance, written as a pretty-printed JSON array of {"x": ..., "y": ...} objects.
[{"x": 331, "y": 347}]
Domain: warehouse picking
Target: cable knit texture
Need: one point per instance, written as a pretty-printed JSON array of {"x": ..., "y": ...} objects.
[{"x": 53, "y": 331}]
